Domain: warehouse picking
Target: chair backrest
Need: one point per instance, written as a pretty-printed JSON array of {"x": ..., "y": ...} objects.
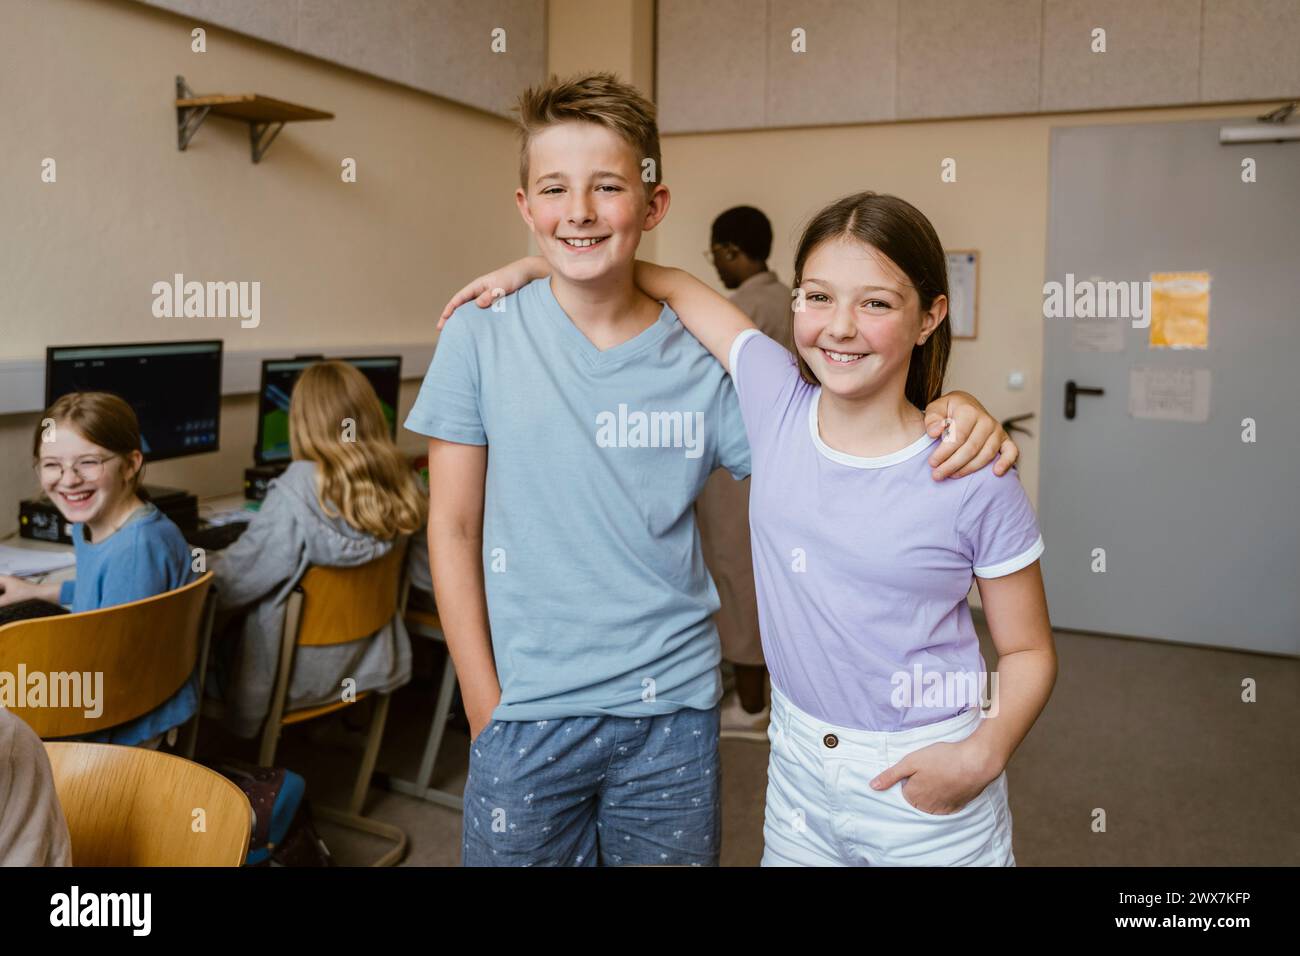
[
  {"x": 134, "y": 656},
  {"x": 346, "y": 604},
  {"x": 129, "y": 806}
]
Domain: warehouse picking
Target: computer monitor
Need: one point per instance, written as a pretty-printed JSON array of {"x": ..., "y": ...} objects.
[
  {"x": 174, "y": 387},
  {"x": 278, "y": 377}
]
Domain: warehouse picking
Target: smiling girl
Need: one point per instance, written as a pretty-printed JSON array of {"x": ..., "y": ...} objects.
[
  {"x": 88, "y": 459},
  {"x": 863, "y": 563}
]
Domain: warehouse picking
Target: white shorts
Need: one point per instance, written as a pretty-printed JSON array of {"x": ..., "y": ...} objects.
[{"x": 821, "y": 810}]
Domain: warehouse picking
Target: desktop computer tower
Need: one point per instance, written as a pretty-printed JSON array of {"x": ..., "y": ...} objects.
[
  {"x": 258, "y": 478},
  {"x": 40, "y": 520}
]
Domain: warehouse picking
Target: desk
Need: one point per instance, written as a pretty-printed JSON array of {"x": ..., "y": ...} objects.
[
  {"x": 231, "y": 502},
  {"x": 53, "y": 577}
]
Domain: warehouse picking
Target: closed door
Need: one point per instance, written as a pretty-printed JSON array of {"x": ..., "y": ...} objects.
[{"x": 1198, "y": 530}]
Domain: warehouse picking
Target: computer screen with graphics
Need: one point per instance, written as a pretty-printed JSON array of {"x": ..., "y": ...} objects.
[
  {"x": 174, "y": 388},
  {"x": 278, "y": 377}
]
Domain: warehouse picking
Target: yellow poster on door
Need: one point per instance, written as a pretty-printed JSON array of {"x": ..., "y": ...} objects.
[{"x": 1180, "y": 310}]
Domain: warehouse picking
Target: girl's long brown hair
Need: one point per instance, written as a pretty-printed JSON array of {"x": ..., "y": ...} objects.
[
  {"x": 360, "y": 474},
  {"x": 900, "y": 231}
]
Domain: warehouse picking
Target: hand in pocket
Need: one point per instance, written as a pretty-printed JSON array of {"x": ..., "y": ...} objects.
[{"x": 939, "y": 779}]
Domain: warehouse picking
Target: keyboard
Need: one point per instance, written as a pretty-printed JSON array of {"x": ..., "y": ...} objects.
[
  {"x": 218, "y": 536},
  {"x": 26, "y": 610}
]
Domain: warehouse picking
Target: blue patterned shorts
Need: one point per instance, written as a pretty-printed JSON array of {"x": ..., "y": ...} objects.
[{"x": 578, "y": 791}]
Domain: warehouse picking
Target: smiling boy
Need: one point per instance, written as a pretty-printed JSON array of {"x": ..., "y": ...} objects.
[{"x": 567, "y": 566}]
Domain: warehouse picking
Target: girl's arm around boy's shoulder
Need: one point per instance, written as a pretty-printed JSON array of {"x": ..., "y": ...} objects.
[
  {"x": 708, "y": 316},
  {"x": 766, "y": 380},
  {"x": 491, "y": 286}
]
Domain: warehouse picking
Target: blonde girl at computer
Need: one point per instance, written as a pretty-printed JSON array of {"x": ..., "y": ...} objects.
[
  {"x": 343, "y": 501},
  {"x": 88, "y": 459}
]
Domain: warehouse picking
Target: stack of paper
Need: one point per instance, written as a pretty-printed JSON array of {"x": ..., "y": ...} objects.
[{"x": 27, "y": 562}]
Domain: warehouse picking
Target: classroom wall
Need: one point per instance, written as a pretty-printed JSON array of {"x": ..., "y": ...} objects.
[
  {"x": 90, "y": 83},
  {"x": 997, "y": 205},
  {"x": 369, "y": 263}
]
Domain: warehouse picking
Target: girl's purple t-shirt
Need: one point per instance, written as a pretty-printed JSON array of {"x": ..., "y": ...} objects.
[{"x": 863, "y": 565}]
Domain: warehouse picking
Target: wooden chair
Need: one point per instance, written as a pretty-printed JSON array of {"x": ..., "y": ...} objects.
[
  {"x": 145, "y": 650},
  {"x": 427, "y": 624},
  {"x": 128, "y": 806},
  {"x": 334, "y": 606}
]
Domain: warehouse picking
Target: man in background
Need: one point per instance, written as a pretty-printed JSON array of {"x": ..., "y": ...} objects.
[{"x": 739, "y": 244}]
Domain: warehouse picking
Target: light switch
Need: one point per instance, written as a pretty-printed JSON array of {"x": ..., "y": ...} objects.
[{"x": 1016, "y": 381}]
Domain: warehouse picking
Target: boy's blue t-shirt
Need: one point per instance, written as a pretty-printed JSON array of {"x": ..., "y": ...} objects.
[
  {"x": 598, "y": 597},
  {"x": 146, "y": 556}
]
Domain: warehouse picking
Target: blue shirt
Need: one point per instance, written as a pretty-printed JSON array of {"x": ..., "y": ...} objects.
[
  {"x": 598, "y": 597},
  {"x": 144, "y": 557}
]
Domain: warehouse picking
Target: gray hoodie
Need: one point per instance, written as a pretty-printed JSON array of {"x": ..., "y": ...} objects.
[{"x": 289, "y": 534}]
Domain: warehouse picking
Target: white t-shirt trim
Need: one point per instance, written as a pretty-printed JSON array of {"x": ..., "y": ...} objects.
[
  {"x": 855, "y": 461},
  {"x": 734, "y": 354},
  {"x": 1011, "y": 565}
]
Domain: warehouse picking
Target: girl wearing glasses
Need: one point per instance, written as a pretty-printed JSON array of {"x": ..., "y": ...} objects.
[{"x": 88, "y": 459}]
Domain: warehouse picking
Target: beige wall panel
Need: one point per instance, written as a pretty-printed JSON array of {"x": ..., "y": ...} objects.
[
  {"x": 450, "y": 44},
  {"x": 1152, "y": 53},
  {"x": 846, "y": 75},
  {"x": 275, "y": 21},
  {"x": 968, "y": 57},
  {"x": 438, "y": 46},
  {"x": 1251, "y": 50},
  {"x": 711, "y": 64}
]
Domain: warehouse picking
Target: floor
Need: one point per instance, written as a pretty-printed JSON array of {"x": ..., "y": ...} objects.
[{"x": 1154, "y": 735}]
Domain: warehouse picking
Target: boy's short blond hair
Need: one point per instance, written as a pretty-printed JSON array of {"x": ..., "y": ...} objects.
[{"x": 600, "y": 98}]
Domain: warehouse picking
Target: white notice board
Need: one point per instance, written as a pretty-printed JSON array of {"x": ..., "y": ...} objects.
[{"x": 963, "y": 292}]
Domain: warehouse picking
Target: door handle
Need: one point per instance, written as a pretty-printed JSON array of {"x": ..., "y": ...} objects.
[{"x": 1071, "y": 390}]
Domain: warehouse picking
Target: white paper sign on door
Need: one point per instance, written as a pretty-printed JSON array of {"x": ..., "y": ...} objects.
[
  {"x": 1097, "y": 335},
  {"x": 1169, "y": 394}
]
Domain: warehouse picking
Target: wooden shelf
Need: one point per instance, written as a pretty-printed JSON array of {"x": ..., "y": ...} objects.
[
  {"x": 254, "y": 107},
  {"x": 264, "y": 115}
]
